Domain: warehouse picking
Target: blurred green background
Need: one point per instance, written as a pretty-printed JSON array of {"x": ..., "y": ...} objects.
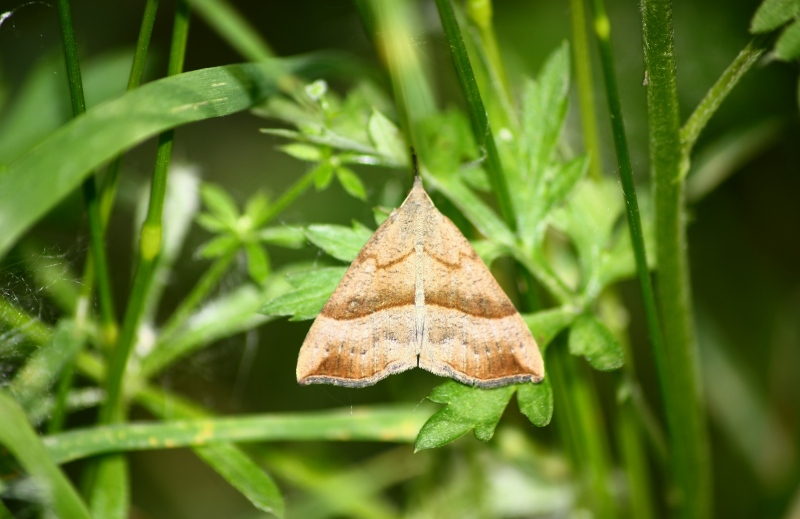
[{"x": 744, "y": 239}]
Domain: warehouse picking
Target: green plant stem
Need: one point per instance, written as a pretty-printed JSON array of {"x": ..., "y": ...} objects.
[
  {"x": 581, "y": 426},
  {"x": 635, "y": 460},
  {"x": 676, "y": 361},
  {"x": 602, "y": 27},
  {"x": 134, "y": 80},
  {"x": 480, "y": 121},
  {"x": 583, "y": 77},
  {"x": 717, "y": 94},
  {"x": 96, "y": 234},
  {"x": 150, "y": 240},
  {"x": 480, "y": 12},
  {"x": 107, "y": 194},
  {"x": 484, "y": 44}
]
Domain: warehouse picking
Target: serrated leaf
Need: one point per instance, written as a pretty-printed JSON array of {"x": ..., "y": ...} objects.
[
  {"x": 218, "y": 246},
  {"x": 536, "y": 402},
  {"x": 545, "y": 325},
  {"x": 257, "y": 262},
  {"x": 288, "y": 236},
  {"x": 590, "y": 338},
  {"x": 314, "y": 288},
  {"x": 787, "y": 47},
  {"x": 351, "y": 183},
  {"x": 771, "y": 14},
  {"x": 588, "y": 219},
  {"x": 386, "y": 137},
  {"x": 220, "y": 203},
  {"x": 466, "y": 408},
  {"x": 301, "y": 151},
  {"x": 544, "y": 109},
  {"x": 343, "y": 243}
]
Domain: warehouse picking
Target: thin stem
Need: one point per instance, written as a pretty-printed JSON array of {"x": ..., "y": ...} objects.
[
  {"x": 717, "y": 94},
  {"x": 583, "y": 76},
  {"x": 480, "y": 121},
  {"x": 107, "y": 194},
  {"x": 480, "y": 12},
  {"x": 676, "y": 361},
  {"x": 150, "y": 239},
  {"x": 96, "y": 234},
  {"x": 582, "y": 427}
]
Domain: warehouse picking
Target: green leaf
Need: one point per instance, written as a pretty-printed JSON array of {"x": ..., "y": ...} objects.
[
  {"x": 42, "y": 369},
  {"x": 536, "y": 402},
  {"x": 328, "y": 138},
  {"x": 563, "y": 179},
  {"x": 289, "y": 236},
  {"x": 210, "y": 223},
  {"x": 391, "y": 423},
  {"x": 544, "y": 109},
  {"x": 386, "y": 137},
  {"x": 323, "y": 174},
  {"x": 591, "y": 339},
  {"x": 42, "y": 101},
  {"x": 343, "y": 243},
  {"x": 257, "y": 262},
  {"x": 220, "y": 203},
  {"x": 545, "y": 325},
  {"x": 18, "y": 438},
  {"x": 467, "y": 408},
  {"x": 588, "y": 219},
  {"x": 351, "y": 183},
  {"x": 301, "y": 151},
  {"x": 771, "y": 14},
  {"x": 447, "y": 142},
  {"x": 245, "y": 475},
  {"x": 488, "y": 250},
  {"x": 218, "y": 246},
  {"x": 73, "y": 151},
  {"x": 313, "y": 289},
  {"x": 233, "y": 28},
  {"x": 787, "y": 47},
  {"x": 257, "y": 208}
]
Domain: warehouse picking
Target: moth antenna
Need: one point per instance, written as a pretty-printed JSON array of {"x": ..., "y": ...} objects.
[{"x": 414, "y": 160}]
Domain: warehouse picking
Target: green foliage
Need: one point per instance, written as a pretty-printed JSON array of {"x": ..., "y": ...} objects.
[
  {"x": 565, "y": 243},
  {"x": 774, "y": 14}
]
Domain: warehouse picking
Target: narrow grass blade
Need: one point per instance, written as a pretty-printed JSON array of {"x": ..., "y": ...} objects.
[
  {"x": 21, "y": 441},
  {"x": 68, "y": 155}
]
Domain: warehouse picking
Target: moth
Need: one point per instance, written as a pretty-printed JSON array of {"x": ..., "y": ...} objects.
[{"x": 418, "y": 295}]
